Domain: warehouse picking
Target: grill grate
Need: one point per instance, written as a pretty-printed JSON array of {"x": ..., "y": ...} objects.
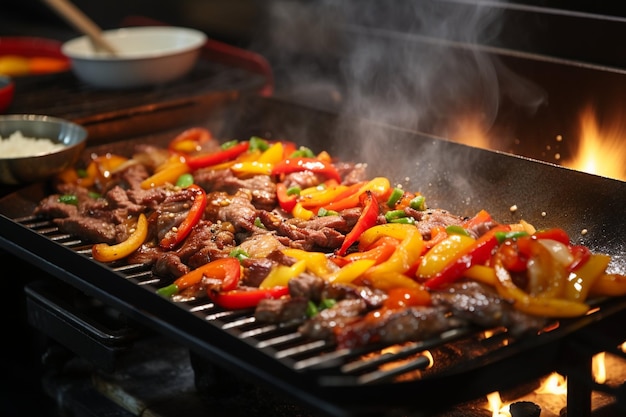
[{"x": 362, "y": 366}]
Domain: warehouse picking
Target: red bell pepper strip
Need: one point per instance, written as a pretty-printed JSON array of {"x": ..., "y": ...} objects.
[
  {"x": 245, "y": 297},
  {"x": 214, "y": 158},
  {"x": 174, "y": 237},
  {"x": 555, "y": 233},
  {"x": 287, "y": 202},
  {"x": 367, "y": 219},
  {"x": 226, "y": 270},
  {"x": 478, "y": 253},
  {"x": 288, "y": 166}
]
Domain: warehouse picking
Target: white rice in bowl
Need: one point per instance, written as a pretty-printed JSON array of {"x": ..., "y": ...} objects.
[{"x": 17, "y": 145}]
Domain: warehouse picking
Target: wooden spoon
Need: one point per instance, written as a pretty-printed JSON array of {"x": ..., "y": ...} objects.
[{"x": 82, "y": 23}]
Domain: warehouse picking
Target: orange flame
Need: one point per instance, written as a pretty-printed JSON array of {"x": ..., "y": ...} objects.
[{"x": 602, "y": 150}]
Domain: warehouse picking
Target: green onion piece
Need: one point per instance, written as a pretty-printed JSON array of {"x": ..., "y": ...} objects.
[
  {"x": 302, "y": 152},
  {"x": 229, "y": 144},
  {"x": 322, "y": 212},
  {"x": 396, "y": 195},
  {"x": 394, "y": 214},
  {"x": 403, "y": 220},
  {"x": 502, "y": 236},
  {"x": 293, "y": 191},
  {"x": 258, "y": 223},
  {"x": 311, "y": 309},
  {"x": 94, "y": 194},
  {"x": 456, "y": 230},
  {"x": 326, "y": 303},
  {"x": 184, "y": 181},
  {"x": 168, "y": 291},
  {"x": 239, "y": 254},
  {"x": 68, "y": 199},
  {"x": 258, "y": 144},
  {"x": 418, "y": 203},
  {"x": 81, "y": 172}
]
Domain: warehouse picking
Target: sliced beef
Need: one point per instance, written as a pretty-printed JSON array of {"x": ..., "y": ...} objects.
[
  {"x": 480, "y": 304},
  {"x": 391, "y": 326},
  {"x": 260, "y": 187},
  {"x": 330, "y": 321},
  {"x": 282, "y": 310},
  {"x": 428, "y": 219}
]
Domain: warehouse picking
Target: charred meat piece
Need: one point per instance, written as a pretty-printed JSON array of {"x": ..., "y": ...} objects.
[
  {"x": 389, "y": 326},
  {"x": 481, "y": 305}
]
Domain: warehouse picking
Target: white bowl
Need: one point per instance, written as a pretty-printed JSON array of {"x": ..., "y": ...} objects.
[{"x": 147, "y": 55}]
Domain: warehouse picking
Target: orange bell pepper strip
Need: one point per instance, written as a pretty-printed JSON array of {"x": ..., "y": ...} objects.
[
  {"x": 190, "y": 140},
  {"x": 288, "y": 166},
  {"x": 175, "y": 236},
  {"x": 611, "y": 285},
  {"x": 225, "y": 270},
  {"x": 367, "y": 219},
  {"x": 379, "y": 187},
  {"x": 400, "y": 297},
  {"x": 107, "y": 253},
  {"x": 214, "y": 158},
  {"x": 169, "y": 173},
  {"x": 379, "y": 252}
]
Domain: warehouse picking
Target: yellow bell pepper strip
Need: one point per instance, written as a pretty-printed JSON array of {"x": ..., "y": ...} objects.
[
  {"x": 252, "y": 168},
  {"x": 539, "y": 306},
  {"x": 315, "y": 197},
  {"x": 400, "y": 297},
  {"x": 168, "y": 174},
  {"x": 245, "y": 297},
  {"x": 367, "y": 219},
  {"x": 581, "y": 280},
  {"x": 371, "y": 235},
  {"x": 481, "y": 273},
  {"x": 273, "y": 154},
  {"x": 301, "y": 213},
  {"x": 477, "y": 253},
  {"x": 107, "y": 253},
  {"x": 402, "y": 259},
  {"x": 190, "y": 140},
  {"x": 288, "y": 166},
  {"x": 286, "y": 201},
  {"x": 214, "y": 158},
  {"x": 350, "y": 272},
  {"x": 316, "y": 262},
  {"x": 442, "y": 254},
  {"x": 609, "y": 285},
  {"x": 173, "y": 237},
  {"x": 225, "y": 270},
  {"x": 379, "y": 187},
  {"x": 281, "y": 274}
]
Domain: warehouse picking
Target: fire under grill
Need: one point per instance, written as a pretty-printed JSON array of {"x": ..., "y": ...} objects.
[{"x": 465, "y": 363}]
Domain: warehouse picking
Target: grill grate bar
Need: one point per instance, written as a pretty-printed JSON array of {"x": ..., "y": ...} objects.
[{"x": 420, "y": 362}]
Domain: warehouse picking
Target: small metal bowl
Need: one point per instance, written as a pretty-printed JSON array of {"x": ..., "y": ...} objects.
[{"x": 40, "y": 165}]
